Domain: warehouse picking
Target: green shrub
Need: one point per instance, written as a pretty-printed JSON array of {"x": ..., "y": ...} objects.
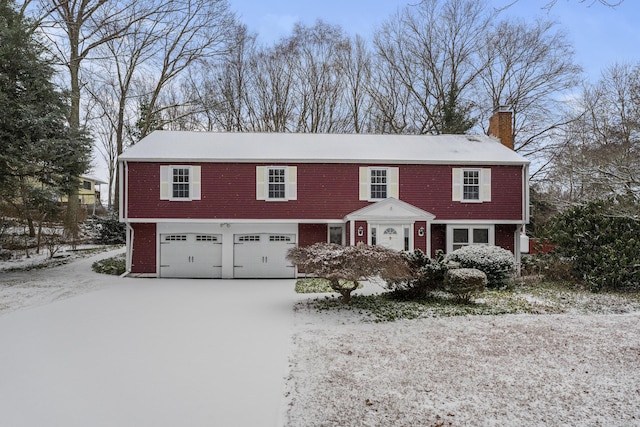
[
  {"x": 110, "y": 231},
  {"x": 427, "y": 275},
  {"x": 115, "y": 265},
  {"x": 602, "y": 244},
  {"x": 497, "y": 263},
  {"x": 463, "y": 283}
]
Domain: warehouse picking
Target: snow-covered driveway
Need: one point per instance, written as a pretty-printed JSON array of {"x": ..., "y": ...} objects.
[{"x": 149, "y": 352}]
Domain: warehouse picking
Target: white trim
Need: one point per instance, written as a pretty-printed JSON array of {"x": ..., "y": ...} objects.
[
  {"x": 123, "y": 202},
  {"x": 232, "y": 221},
  {"x": 477, "y": 221}
]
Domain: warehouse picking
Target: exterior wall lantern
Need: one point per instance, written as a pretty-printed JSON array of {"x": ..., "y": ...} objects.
[
  {"x": 421, "y": 231},
  {"x": 360, "y": 231}
]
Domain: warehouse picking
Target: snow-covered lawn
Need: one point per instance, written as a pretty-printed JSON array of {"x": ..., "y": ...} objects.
[{"x": 82, "y": 349}]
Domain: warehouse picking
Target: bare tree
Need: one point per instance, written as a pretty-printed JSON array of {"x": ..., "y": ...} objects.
[
  {"x": 602, "y": 152},
  {"x": 355, "y": 66},
  {"x": 432, "y": 50},
  {"x": 529, "y": 68}
]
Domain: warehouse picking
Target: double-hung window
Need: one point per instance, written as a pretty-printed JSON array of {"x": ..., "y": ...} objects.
[
  {"x": 377, "y": 183},
  {"x": 276, "y": 183},
  {"x": 471, "y": 185},
  {"x": 180, "y": 183}
]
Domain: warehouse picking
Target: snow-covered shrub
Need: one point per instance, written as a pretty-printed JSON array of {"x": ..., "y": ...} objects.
[
  {"x": 427, "y": 275},
  {"x": 345, "y": 266},
  {"x": 115, "y": 265},
  {"x": 464, "y": 282},
  {"x": 497, "y": 263}
]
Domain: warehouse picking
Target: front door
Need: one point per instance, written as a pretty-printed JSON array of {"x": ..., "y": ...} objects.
[{"x": 392, "y": 236}]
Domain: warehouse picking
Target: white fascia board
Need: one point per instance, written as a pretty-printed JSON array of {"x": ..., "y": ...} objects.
[
  {"x": 479, "y": 221},
  {"x": 234, "y": 221}
]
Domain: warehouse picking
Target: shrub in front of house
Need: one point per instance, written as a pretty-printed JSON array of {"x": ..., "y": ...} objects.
[
  {"x": 497, "y": 263},
  {"x": 463, "y": 283},
  {"x": 427, "y": 275}
]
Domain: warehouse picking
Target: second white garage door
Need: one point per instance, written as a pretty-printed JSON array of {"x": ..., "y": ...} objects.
[{"x": 262, "y": 255}]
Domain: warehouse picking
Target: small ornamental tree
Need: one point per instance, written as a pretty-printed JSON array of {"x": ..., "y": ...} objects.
[{"x": 344, "y": 266}]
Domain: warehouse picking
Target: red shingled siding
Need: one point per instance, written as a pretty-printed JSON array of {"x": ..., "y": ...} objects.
[
  {"x": 438, "y": 238},
  {"x": 325, "y": 191},
  {"x": 308, "y": 234},
  {"x": 144, "y": 248},
  {"x": 505, "y": 236}
]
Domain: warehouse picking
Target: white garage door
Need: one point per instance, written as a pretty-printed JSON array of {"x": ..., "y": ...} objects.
[
  {"x": 191, "y": 255},
  {"x": 262, "y": 255}
]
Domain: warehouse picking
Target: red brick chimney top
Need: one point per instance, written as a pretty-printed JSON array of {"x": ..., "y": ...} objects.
[{"x": 500, "y": 125}]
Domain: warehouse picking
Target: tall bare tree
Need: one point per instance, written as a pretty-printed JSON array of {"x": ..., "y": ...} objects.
[
  {"x": 530, "y": 68},
  {"x": 433, "y": 50}
]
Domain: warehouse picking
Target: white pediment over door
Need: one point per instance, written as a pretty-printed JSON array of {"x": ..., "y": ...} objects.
[{"x": 390, "y": 210}]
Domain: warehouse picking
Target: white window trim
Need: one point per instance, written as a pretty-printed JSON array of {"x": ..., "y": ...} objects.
[
  {"x": 393, "y": 182},
  {"x": 290, "y": 183},
  {"x": 470, "y": 228},
  {"x": 166, "y": 183},
  {"x": 457, "y": 180}
]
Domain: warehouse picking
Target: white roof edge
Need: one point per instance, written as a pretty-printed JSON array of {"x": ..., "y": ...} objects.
[{"x": 337, "y": 161}]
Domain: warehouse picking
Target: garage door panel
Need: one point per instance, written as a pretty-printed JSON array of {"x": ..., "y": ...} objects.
[
  {"x": 191, "y": 255},
  {"x": 263, "y": 255}
]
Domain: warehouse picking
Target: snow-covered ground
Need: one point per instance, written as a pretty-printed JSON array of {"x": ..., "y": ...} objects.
[{"x": 81, "y": 349}]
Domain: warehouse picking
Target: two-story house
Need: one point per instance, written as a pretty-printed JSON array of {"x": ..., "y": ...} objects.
[{"x": 230, "y": 205}]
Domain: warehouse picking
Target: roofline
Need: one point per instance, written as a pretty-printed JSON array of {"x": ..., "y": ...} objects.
[{"x": 336, "y": 161}]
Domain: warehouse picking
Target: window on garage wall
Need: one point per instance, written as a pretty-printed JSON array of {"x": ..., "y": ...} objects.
[
  {"x": 180, "y": 183},
  {"x": 276, "y": 183}
]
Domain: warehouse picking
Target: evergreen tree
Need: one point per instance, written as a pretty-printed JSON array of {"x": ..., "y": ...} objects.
[{"x": 37, "y": 147}]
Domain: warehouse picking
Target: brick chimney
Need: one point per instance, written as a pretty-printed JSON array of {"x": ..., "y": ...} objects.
[{"x": 501, "y": 127}]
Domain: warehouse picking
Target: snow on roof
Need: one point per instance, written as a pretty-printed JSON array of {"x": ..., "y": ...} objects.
[{"x": 183, "y": 146}]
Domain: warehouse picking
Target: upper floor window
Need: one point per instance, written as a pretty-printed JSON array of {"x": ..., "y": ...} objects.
[
  {"x": 378, "y": 183},
  {"x": 276, "y": 183},
  {"x": 86, "y": 185},
  {"x": 180, "y": 183},
  {"x": 471, "y": 185}
]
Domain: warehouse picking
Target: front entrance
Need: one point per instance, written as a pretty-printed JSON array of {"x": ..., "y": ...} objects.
[{"x": 394, "y": 237}]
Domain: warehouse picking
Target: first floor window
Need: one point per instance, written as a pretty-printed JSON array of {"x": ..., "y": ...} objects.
[
  {"x": 335, "y": 234},
  {"x": 460, "y": 236},
  {"x": 180, "y": 183}
]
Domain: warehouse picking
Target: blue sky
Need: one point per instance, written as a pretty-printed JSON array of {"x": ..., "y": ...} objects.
[{"x": 601, "y": 36}]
